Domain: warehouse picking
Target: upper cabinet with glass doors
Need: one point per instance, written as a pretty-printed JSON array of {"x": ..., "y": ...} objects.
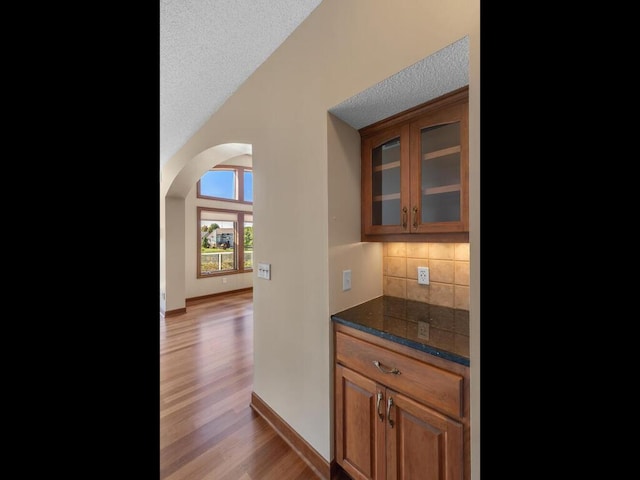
[{"x": 415, "y": 173}]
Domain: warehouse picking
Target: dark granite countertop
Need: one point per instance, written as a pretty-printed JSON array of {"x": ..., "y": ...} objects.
[{"x": 439, "y": 331}]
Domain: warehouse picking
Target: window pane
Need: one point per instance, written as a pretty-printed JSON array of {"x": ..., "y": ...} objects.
[
  {"x": 248, "y": 245},
  {"x": 219, "y": 183},
  {"x": 248, "y": 186},
  {"x": 217, "y": 252}
]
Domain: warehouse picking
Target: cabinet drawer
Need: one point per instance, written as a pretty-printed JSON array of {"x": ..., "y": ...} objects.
[{"x": 428, "y": 384}]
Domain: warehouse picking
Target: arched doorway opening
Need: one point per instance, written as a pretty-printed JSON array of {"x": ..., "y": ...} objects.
[{"x": 176, "y": 190}]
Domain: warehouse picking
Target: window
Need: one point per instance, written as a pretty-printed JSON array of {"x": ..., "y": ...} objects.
[
  {"x": 225, "y": 236},
  {"x": 228, "y": 183},
  {"x": 221, "y": 250},
  {"x": 248, "y": 186},
  {"x": 248, "y": 242}
]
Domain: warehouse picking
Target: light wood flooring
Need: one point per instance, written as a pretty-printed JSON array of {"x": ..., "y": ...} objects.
[{"x": 207, "y": 428}]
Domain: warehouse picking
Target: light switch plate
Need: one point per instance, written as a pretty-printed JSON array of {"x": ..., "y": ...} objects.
[{"x": 264, "y": 271}]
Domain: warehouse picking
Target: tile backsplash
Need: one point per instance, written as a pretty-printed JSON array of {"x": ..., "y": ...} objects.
[{"x": 448, "y": 272}]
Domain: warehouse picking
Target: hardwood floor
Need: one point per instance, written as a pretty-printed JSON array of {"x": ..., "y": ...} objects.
[{"x": 207, "y": 428}]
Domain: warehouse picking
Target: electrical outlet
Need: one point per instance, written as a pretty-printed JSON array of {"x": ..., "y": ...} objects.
[
  {"x": 346, "y": 280},
  {"x": 423, "y": 330},
  {"x": 423, "y": 275}
]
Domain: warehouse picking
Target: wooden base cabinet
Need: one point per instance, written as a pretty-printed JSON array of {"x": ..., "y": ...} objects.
[
  {"x": 421, "y": 443},
  {"x": 360, "y": 437},
  {"x": 391, "y": 433}
]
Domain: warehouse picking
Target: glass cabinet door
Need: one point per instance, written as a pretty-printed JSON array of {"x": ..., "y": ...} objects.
[
  {"x": 385, "y": 195},
  {"x": 440, "y": 181},
  {"x": 439, "y": 199},
  {"x": 386, "y": 174}
]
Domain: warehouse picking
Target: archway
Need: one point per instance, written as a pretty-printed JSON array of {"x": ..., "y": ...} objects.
[{"x": 172, "y": 219}]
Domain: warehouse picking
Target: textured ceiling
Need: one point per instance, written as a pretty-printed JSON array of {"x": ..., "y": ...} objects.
[
  {"x": 208, "y": 48},
  {"x": 442, "y": 72}
]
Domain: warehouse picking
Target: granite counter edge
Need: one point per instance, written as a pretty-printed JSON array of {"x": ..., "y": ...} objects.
[{"x": 403, "y": 341}]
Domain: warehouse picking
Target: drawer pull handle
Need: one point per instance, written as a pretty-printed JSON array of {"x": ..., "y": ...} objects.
[
  {"x": 394, "y": 370},
  {"x": 389, "y": 405},
  {"x": 379, "y": 399},
  {"x": 404, "y": 218}
]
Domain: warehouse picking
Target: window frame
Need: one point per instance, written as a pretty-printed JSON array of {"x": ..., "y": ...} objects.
[
  {"x": 238, "y": 241},
  {"x": 239, "y": 172}
]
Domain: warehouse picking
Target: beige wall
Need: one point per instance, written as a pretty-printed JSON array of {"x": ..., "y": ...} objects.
[
  {"x": 172, "y": 246},
  {"x": 306, "y": 184},
  {"x": 346, "y": 252}
]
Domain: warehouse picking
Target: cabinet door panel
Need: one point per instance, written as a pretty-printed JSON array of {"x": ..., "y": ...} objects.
[
  {"x": 421, "y": 443},
  {"x": 385, "y": 182},
  {"x": 439, "y": 171},
  {"x": 359, "y": 429}
]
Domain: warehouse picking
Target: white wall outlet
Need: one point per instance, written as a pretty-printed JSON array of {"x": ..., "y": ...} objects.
[
  {"x": 423, "y": 275},
  {"x": 423, "y": 330},
  {"x": 346, "y": 280},
  {"x": 264, "y": 271}
]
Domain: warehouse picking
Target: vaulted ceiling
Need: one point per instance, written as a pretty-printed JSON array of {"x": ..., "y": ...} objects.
[{"x": 208, "y": 48}]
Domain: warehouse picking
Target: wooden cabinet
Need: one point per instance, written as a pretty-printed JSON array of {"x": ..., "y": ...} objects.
[
  {"x": 415, "y": 173},
  {"x": 398, "y": 415}
]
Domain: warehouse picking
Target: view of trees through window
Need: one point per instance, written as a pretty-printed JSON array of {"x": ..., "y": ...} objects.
[
  {"x": 218, "y": 250},
  {"x": 225, "y": 235}
]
